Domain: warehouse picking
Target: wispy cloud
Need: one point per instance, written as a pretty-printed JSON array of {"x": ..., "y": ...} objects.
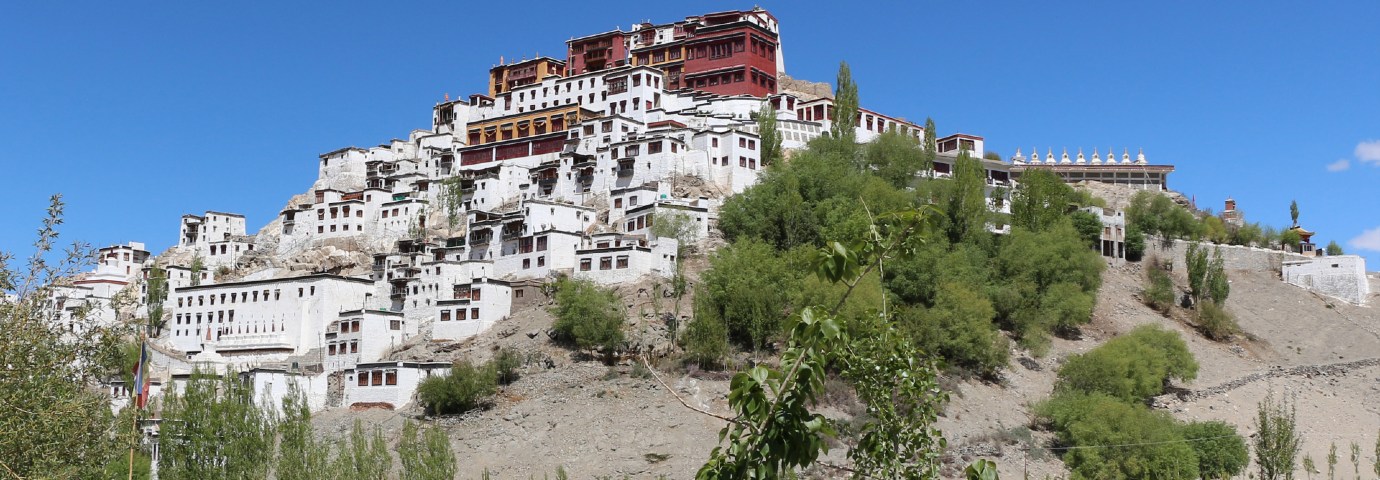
[
  {"x": 1339, "y": 165},
  {"x": 1367, "y": 240},
  {"x": 1368, "y": 152}
]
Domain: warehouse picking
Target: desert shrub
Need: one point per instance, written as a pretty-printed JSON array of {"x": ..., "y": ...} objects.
[
  {"x": 1067, "y": 306},
  {"x": 706, "y": 342},
  {"x": 1096, "y": 419},
  {"x": 1159, "y": 289},
  {"x": 1221, "y": 451},
  {"x": 587, "y": 315},
  {"x": 506, "y": 364},
  {"x": 1214, "y": 321},
  {"x": 468, "y": 387},
  {"x": 1132, "y": 367},
  {"x": 959, "y": 330}
]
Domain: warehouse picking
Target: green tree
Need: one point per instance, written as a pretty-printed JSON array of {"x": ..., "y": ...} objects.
[
  {"x": 1294, "y": 213},
  {"x": 1218, "y": 287},
  {"x": 966, "y": 204},
  {"x": 155, "y": 296},
  {"x": 1214, "y": 230},
  {"x": 1089, "y": 227},
  {"x": 1333, "y": 249},
  {"x": 1291, "y": 239},
  {"x": 1196, "y": 259},
  {"x": 301, "y": 456},
  {"x": 468, "y": 387},
  {"x": 773, "y": 431},
  {"x": 197, "y": 268},
  {"x": 1332, "y": 462},
  {"x": 428, "y": 457},
  {"x": 706, "y": 342},
  {"x": 959, "y": 329},
  {"x": 929, "y": 147},
  {"x": 364, "y": 458},
  {"x": 588, "y": 316},
  {"x": 1277, "y": 439},
  {"x": 215, "y": 429},
  {"x": 770, "y": 136},
  {"x": 894, "y": 157},
  {"x": 1135, "y": 243},
  {"x": 749, "y": 287},
  {"x": 65, "y": 430},
  {"x": 1221, "y": 451},
  {"x": 845, "y": 106},
  {"x": 1159, "y": 294},
  {"x": 1132, "y": 367},
  {"x": 1040, "y": 200}
]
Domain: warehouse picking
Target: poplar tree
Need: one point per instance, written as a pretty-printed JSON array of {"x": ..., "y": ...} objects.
[
  {"x": 930, "y": 147},
  {"x": 1294, "y": 212},
  {"x": 845, "y": 106},
  {"x": 1277, "y": 441},
  {"x": 157, "y": 294},
  {"x": 967, "y": 201},
  {"x": 214, "y": 429},
  {"x": 300, "y": 455},
  {"x": 427, "y": 458},
  {"x": 770, "y": 136}
]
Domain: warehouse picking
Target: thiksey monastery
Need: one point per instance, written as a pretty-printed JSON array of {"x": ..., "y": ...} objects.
[{"x": 561, "y": 168}]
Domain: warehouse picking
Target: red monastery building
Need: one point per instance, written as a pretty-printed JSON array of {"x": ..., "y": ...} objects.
[{"x": 727, "y": 53}]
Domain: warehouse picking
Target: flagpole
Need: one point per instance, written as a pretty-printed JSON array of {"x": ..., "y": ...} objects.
[{"x": 134, "y": 402}]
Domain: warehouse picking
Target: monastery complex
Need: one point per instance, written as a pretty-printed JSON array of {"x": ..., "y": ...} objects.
[{"x": 561, "y": 168}]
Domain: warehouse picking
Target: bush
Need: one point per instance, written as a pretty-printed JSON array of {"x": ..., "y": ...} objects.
[
  {"x": 506, "y": 364},
  {"x": 1089, "y": 227},
  {"x": 1096, "y": 419},
  {"x": 1159, "y": 291},
  {"x": 705, "y": 342},
  {"x": 468, "y": 387},
  {"x": 1135, "y": 243},
  {"x": 959, "y": 329},
  {"x": 588, "y": 316},
  {"x": 1221, "y": 451},
  {"x": 1132, "y": 367},
  {"x": 1214, "y": 321}
]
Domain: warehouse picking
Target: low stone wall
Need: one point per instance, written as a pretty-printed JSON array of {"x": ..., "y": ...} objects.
[{"x": 1236, "y": 257}]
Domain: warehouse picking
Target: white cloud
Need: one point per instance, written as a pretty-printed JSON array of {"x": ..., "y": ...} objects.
[
  {"x": 1367, "y": 240},
  {"x": 1339, "y": 165},
  {"x": 1368, "y": 152}
]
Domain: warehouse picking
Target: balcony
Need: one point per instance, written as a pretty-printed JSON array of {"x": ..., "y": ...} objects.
[{"x": 398, "y": 294}]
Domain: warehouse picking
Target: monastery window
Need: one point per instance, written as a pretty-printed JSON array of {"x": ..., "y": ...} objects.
[
  {"x": 313, "y": 290},
  {"x": 198, "y": 321},
  {"x": 585, "y": 264},
  {"x": 474, "y": 313},
  {"x": 517, "y": 293},
  {"x": 461, "y": 314},
  {"x": 637, "y": 79},
  {"x": 622, "y": 261},
  {"x": 299, "y": 292},
  {"x": 631, "y": 225},
  {"x": 330, "y": 349},
  {"x": 178, "y": 319},
  {"x": 363, "y": 377},
  {"x": 654, "y": 147},
  {"x": 714, "y": 142},
  {"x": 474, "y": 295},
  {"x": 752, "y": 163},
  {"x": 541, "y": 261},
  {"x": 720, "y": 50},
  {"x": 642, "y": 222},
  {"x": 541, "y": 244},
  {"x": 320, "y": 214},
  {"x": 320, "y": 229},
  {"x": 213, "y": 249},
  {"x": 377, "y": 377},
  {"x": 742, "y": 161},
  {"x": 395, "y": 324},
  {"x": 526, "y": 263},
  {"x": 618, "y": 203},
  {"x": 674, "y": 54},
  {"x": 200, "y": 300},
  {"x": 632, "y": 201},
  {"x": 179, "y": 302},
  {"x": 391, "y": 377},
  {"x": 354, "y": 346},
  {"x": 607, "y": 126},
  {"x": 605, "y": 263},
  {"x": 445, "y": 315}
]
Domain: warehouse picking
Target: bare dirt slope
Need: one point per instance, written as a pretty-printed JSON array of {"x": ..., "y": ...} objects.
[
  {"x": 1320, "y": 351},
  {"x": 594, "y": 420}
]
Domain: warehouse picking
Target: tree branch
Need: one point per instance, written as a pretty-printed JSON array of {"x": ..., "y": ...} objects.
[{"x": 668, "y": 388}]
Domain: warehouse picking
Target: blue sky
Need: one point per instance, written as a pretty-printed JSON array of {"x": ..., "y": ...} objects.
[{"x": 141, "y": 115}]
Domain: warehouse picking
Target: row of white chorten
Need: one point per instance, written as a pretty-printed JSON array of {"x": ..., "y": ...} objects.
[{"x": 1080, "y": 160}]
